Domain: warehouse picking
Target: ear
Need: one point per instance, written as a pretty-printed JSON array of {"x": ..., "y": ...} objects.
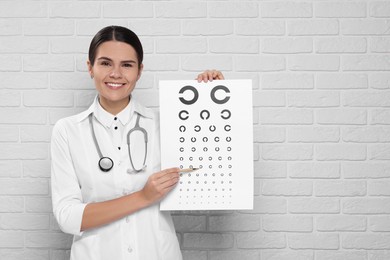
[
  {"x": 89, "y": 65},
  {"x": 140, "y": 71}
]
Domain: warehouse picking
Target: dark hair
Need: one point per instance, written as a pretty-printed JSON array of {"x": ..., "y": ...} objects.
[{"x": 115, "y": 33}]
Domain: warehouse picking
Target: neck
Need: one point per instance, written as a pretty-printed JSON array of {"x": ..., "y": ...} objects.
[{"x": 114, "y": 107}]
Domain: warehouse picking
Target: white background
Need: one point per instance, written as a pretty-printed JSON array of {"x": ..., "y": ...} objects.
[{"x": 321, "y": 117}]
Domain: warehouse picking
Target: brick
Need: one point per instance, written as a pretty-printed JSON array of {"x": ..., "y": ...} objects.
[
  {"x": 314, "y": 170},
  {"x": 70, "y": 81},
  {"x": 235, "y": 222},
  {"x": 181, "y": 45},
  {"x": 365, "y": 27},
  {"x": 22, "y": 116},
  {"x": 24, "y": 45},
  {"x": 155, "y": 27},
  {"x": 11, "y": 204},
  {"x": 379, "y": 152},
  {"x": 208, "y": 240},
  {"x": 286, "y": 116},
  {"x": 286, "y": 223},
  {"x": 10, "y": 98},
  {"x": 188, "y": 223},
  {"x": 379, "y": 9},
  {"x": 312, "y": 27},
  {"x": 31, "y": 254},
  {"x": 340, "y": 10},
  {"x": 89, "y": 27},
  {"x": 10, "y": 169},
  {"x": 49, "y": 27},
  {"x": 268, "y": 99},
  {"x": 69, "y": 45},
  {"x": 24, "y": 80},
  {"x": 260, "y": 63},
  {"x": 348, "y": 152},
  {"x": 337, "y": 116},
  {"x": 313, "y": 241},
  {"x": 46, "y": 239},
  {"x": 313, "y": 99},
  {"x": 340, "y": 255},
  {"x": 313, "y": 134},
  {"x": 74, "y": 10},
  {"x": 378, "y": 188},
  {"x": 199, "y": 63},
  {"x": 48, "y": 98},
  {"x": 313, "y": 205},
  {"x": 161, "y": 63},
  {"x": 379, "y": 223},
  {"x": 366, "y": 206},
  {"x": 233, "y": 45},
  {"x": 286, "y": 10},
  {"x": 269, "y": 134},
  {"x": 149, "y": 98},
  {"x": 341, "y": 45},
  {"x": 362, "y": 170},
  {"x": 291, "y": 45},
  {"x": 11, "y": 239},
  {"x": 361, "y": 134},
  {"x": 180, "y": 10},
  {"x": 36, "y": 168},
  {"x": 287, "y": 152},
  {"x": 341, "y": 81},
  {"x": 194, "y": 254},
  {"x": 85, "y": 98},
  {"x": 11, "y": 27},
  {"x": 287, "y": 81},
  {"x": 60, "y": 254},
  {"x": 24, "y": 221},
  {"x": 48, "y": 63},
  {"x": 24, "y": 186},
  {"x": 269, "y": 205},
  {"x": 231, "y": 255},
  {"x": 36, "y": 204},
  {"x": 270, "y": 169},
  {"x": 340, "y": 188},
  {"x": 379, "y": 80},
  {"x": 23, "y": 9},
  {"x": 23, "y": 151},
  {"x": 207, "y": 27},
  {"x": 10, "y": 63},
  {"x": 367, "y": 99},
  {"x": 233, "y": 9},
  {"x": 286, "y": 255},
  {"x": 9, "y": 133},
  {"x": 365, "y": 241},
  {"x": 379, "y": 45},
  {"x": 126, "y": 10},
  {"x": 378, "y": 254},
  {"x": 260, "y": 27},
  {"x": 366, "y": 62},
  {"x": 35, "y": 133},
  {"x": 314, "y": 63},
  {"x": 287, "y": 188},
  {"x": 261, "y": 240},
  {"x": 341, "y": 223}
]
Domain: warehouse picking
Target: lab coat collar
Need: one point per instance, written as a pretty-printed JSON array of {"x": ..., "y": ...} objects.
[
  {"x": 136, "y": 107},
  {"x": 107, "y": 119}
]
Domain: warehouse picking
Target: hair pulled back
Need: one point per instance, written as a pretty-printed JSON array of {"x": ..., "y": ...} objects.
[{"x": 115, "y": 33}]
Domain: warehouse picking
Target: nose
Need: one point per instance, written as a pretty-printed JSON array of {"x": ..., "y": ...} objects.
[{"x": 115, "y": 73}]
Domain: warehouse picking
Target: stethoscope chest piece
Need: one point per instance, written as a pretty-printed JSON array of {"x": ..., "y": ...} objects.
[{"x": 106, "y": 164}]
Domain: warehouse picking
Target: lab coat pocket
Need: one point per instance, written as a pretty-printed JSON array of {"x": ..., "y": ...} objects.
[{"x": 85, "y": 246}]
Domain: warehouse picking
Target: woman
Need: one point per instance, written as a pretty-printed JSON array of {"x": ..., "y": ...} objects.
[{"x": 109, "y": 205}]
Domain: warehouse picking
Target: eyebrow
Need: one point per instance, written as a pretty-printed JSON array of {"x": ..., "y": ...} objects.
[{"x": 123, "y": 61}]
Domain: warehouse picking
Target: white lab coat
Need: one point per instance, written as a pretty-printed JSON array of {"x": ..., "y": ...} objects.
[{"x": 77, "y": 180}]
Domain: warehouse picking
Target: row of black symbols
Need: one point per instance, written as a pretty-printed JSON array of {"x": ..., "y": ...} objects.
[
  {"x": 210, "y": 158},
  {"x": 209, "y": 167},
  {"x": 212, "y": 128},
  {"x": 205, "y": 182},
  {"x": 205, "y": 139},
  {"x": 197, "y": 174},
  {"x": 212, "y": 95},
  {"x": 205, "y": 149},
  {"x": 205, "y": 114},
  {"x": 203, "y": 189}
]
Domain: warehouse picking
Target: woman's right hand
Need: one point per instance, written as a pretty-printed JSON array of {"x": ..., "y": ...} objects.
[{"x": 160, "y": 184}]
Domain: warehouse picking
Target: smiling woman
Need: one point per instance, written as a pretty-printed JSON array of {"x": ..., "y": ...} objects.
[{"x": 112, "y": 210}]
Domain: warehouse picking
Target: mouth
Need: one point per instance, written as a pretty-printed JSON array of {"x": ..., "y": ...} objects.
[{"x": 114, "y": 85}]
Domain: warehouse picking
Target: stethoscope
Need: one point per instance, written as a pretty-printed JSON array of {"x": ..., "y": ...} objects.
[{"x": 106, "y": 163}]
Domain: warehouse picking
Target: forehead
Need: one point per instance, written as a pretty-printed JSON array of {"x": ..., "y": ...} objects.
[{"x": 116, "y": 51}]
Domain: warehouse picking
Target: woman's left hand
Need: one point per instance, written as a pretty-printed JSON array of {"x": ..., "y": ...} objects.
[{"x": 210, "y": 75}]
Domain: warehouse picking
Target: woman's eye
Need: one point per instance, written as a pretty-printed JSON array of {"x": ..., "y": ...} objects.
[
  {"x": 105, "y": 63},
  {"x": 127, "y": 65}
]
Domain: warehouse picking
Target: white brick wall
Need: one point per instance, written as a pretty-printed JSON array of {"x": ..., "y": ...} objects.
[{"x": 321, "y": 95}]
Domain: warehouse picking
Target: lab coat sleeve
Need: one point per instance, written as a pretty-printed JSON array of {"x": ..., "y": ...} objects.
[{"x": 68, "y": 206}]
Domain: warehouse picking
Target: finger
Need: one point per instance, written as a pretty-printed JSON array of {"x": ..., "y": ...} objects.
[{"x": 161, "y": 173}]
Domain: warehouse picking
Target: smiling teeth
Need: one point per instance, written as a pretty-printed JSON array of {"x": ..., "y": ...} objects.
[{"x": 115, "y": 85}]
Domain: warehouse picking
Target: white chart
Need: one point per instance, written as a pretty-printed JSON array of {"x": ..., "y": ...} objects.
[{"x": 208, "y": 126}]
